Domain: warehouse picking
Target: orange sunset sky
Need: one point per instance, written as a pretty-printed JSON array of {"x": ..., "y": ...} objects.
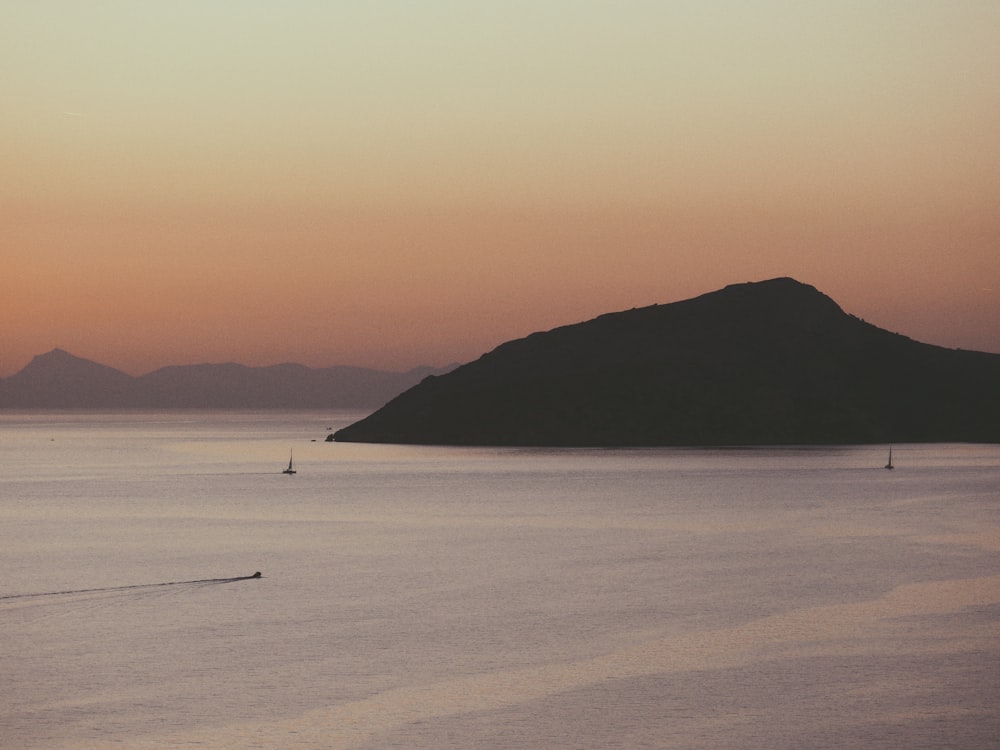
[{"x": 389, "y": 184}]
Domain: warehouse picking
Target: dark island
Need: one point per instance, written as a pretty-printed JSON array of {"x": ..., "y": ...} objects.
[{"x": 773, "y": 362}]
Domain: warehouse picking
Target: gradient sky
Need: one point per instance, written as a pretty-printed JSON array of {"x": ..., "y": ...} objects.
[{"x": 390, "y": 184}]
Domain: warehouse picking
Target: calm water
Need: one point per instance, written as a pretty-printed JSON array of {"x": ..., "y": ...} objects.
[{"x": 478, "y": 598}]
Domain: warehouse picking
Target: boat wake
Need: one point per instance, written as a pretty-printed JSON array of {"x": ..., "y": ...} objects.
[{"x": 134, "y": 587}]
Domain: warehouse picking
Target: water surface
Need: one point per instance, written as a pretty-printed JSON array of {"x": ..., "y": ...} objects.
[{"x": 425, "y": 597}]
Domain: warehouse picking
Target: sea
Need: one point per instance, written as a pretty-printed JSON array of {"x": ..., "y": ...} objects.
[{"x": 473, "y": 598}]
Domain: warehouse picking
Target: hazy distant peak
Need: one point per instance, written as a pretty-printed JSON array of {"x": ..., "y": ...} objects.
[
  {"x": 58, "y": 379},
  {"x": 55, "y": 356},
  {"x": 59, "y": 362}
]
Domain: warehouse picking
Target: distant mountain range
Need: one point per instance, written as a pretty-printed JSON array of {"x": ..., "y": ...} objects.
[
  {"x": 59, "y": 380},
  {"x": 773, "y": 362}
]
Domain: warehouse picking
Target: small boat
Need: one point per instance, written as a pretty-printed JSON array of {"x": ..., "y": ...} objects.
[
  {"x": 889, "y": 465},
  {"x": 291, "y": 465}
]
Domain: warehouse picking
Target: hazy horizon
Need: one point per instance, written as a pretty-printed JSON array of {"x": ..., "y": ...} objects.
[
  {"x": 390, "y": 184},
  {"x": 319, "y": 366},
  {"x": 215, "y": 363}
]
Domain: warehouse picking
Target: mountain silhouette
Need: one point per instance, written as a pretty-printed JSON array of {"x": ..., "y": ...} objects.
[
  {"x": 60, "y": 380},
  {"x": 772, "y": 362}
]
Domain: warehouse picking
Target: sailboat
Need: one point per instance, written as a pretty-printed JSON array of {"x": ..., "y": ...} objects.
[
  {"x": 889, "y": 465},
  {"x": 291, "y": 464}
]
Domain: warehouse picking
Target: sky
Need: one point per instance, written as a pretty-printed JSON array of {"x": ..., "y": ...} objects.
[{"x": 388, "y": 183}]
